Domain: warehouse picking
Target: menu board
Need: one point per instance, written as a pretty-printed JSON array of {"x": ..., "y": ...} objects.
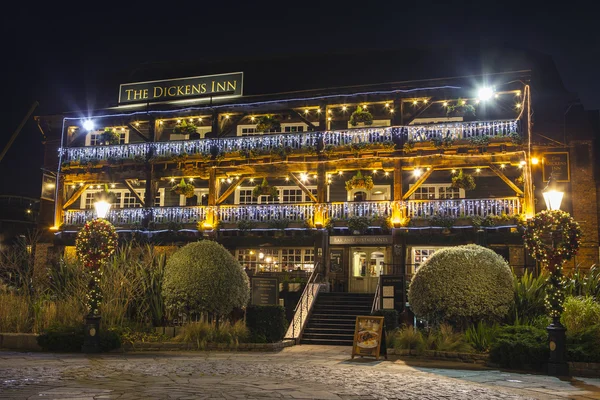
[
  {"x": 368, "y": 336},
  {"x": 265, "y": 291}
]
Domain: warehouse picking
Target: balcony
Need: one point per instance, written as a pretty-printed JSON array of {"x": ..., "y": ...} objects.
[
  {"x": 300, "y": 213},
  {"x": 287, "y": 144}
]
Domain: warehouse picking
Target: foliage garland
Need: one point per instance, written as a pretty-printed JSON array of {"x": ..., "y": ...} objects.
[
  {"x": 264, "y": 189},
  {"x": 463, "y": 181},
  {"x": 184, "y": 128},
  {"x": 266, "y": 123},
  {"x": 359, "y": 181},
  {"x": 565, "y": 246},
  {"x": 110, "y": 137}
]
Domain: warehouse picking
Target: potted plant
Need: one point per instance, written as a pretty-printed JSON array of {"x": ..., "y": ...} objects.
[
  {"x": 358, "y": 225},
  {"x": 264, "y": 189},
  {"x": 184, "y": 188},
  {"x": 267, "y": 123},
  {"x": 184, "y": 128},
  {"x": 463, "y": 181},
  {"x": 109, "y": 137},
  {"x": 359, "y": 181},
  {"x": 361, "y": 115},
  {"x": 443, "y": 221}
]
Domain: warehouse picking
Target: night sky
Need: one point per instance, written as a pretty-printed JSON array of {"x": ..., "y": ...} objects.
[{"x": 73, "y": 60}]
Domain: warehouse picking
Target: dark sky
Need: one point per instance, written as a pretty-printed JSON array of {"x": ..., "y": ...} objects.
[{"x": 65, "y": 57}]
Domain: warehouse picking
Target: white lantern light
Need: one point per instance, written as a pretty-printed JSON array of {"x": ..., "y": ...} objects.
[
  {"x": 552, "y": 196},
  {"x": 102, "y": 208}
]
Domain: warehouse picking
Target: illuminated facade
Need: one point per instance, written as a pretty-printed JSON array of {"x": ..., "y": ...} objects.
[{"x": 361, "y": 181}]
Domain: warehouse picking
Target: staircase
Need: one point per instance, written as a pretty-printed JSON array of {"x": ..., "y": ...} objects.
[{"x": 333, "y": 318}]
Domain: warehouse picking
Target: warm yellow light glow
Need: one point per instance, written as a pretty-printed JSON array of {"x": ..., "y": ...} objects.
[
  {"x": 417, "y": 172},
  {"x": 178, "y": 121},
  {"x": 54, "y": 228},
  {"x": 303, "y": 177},
  {"x": 228, "y": 180},
  {"x": 172, "y": 180},
  {"x": 445, "y": 104},
  {"x": 222, "y": 180},
  {"x": 340, "y": 172},
  {"x": 112, "y": 185},
  {"x": 191, "y": 119},
  {"x": 261, "y": 255},
  {"x": 97, "y": 186},
  {"x": 206, "y": 225},
  {"x": 306, "y": 111},
  {"x": 415, "y": 102},
  {"x": 328, "y": 118},
  {"x": 387, "y": 173},
  {"x": 518, "y": 105},
  {"x": 344, "y": 108},
  {"x": 387, "y": 105},
  {"x": 374, "y": 171},
  {"x": 137, "y": 124},
  {"x": 553, "y": 199},
  {"x": 522, "y": 162},
  {"x": 251, "y": 252},
  {"x": 453, "y": 171},
  {"x": 102, "y": 207},
  {"x": 226, "y": 116},
  {"x": 535, "y": 161},
  {"x": 391, "y": 110},
  {"x": 199, "y": 119},
  {"x": 268, "y": 259},
  {"x": 462, "y": 102},
  {"x": 329, "y": 111},
  {"x": 252, "y": 118},
  {"x": 191, "y": 179},
  {"x": 72, "y": 186},
  {"x": 315, "y": 176},
  {"x": 425, "y": 101},
  {"x": 428, "y": 168},
  {"x": 319, "y": 110},
  {"x": 502, "y": 166},
  {"x": 364, "y": 106},
  {"x": 251, "y": 180},
  {"x": 518, "y": 93},
  {"x": 287, "y": 178},
  {"x": 478, "y": 170},
  {"x": 28, "y": 211},
  {"x": 80, "y": 183}
]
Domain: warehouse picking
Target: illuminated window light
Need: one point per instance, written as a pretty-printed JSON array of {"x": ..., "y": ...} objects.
[
  {"x": 535, "y": 161},
  {"x": 417, "y": 172}
]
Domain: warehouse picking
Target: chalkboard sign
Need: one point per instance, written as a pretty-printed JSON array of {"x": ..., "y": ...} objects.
[
  {"x": 265, "y": 291},
  {"x": 392, "y": 292}
]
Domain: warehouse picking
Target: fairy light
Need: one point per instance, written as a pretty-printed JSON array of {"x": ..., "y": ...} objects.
[
  {"x": 344, "y": 108},
  {"x": 112, "y": 185},
  {"x": 303, "y": 177},
  {"x": 387, "y": 105},
  {"x": 172, "y": 180},
  {"x": 502, "y": 166},
  {"x": 340, "y": 172},
  {"x": 287, "y": 178},
  {"x": 535, "y": 161},
  {"x": 318, "y": 110},
  {"x": 386, "y": 173},
  {"x": 226, "y": 116},
  {"x": 229, "y": 180},
  {"x": 252, "y": 118},
  {"x": 453, "y": 171},
  {"x": 178, "y": 121},
  {"x": 191, "y": 179},
  {"x": 518, "y": 105},
  {"x": 445, "y": 104},
  {"x": 306, "y": 111},
  {"x": 160, "y": 122},
  {"x": 425, "y": 101},
  {"x": 417, "y": 172},
  {"x": 477, "y": 170},
  {"x": 251, "y": 180},
  {"x": 415, "y": 102},
  {"x": 73, "y": 186},
  {"x": 137, "y": 124}
]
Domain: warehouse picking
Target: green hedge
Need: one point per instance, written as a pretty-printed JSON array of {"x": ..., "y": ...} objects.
[
  {"x": 520, "y": 347},
  {"x": 266, "y": 323},
  {"x": 584, "y": 346},
  {"x": 69, "y": 339},
  {"x": 390, "y": 318}
]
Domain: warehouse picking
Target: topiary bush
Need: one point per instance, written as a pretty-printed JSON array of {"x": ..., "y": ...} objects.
[
  {"x": 204, "y": 277},
  {"x": 266, "y": 323},
  {"x": 520, "y": 347},
  {"x": 462, "y": 285}
]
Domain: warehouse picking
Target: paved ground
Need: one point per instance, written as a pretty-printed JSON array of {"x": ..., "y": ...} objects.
[{"x": 300, "y": 372}]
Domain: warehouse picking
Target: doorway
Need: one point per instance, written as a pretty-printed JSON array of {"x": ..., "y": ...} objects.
[{"x": 366, "y": 264}]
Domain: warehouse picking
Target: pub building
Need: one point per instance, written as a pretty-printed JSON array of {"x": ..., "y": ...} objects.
[{"x": 297, "y": 169}]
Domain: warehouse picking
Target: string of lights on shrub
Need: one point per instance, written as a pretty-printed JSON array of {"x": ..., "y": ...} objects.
[
  {"x": 94, "y": 244},
  {"x": 293, "y": 141}
]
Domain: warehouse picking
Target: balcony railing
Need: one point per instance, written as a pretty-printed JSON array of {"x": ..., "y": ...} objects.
[
  {"x": 302, "y": 212},
  {"x": 463, "y": 207},
  {"x": 309, "y": 141}
]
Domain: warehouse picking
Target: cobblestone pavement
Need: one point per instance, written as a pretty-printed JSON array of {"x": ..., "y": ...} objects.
[{"x": 300, "y": 372}]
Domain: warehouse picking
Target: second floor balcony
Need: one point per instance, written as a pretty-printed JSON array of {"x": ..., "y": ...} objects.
[{"x": 301, "y": 143}]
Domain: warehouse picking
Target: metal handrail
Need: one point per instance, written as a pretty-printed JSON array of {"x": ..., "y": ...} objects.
[
  {"x": 377, "y": 296},
  {"x": 299, "y": 319}
]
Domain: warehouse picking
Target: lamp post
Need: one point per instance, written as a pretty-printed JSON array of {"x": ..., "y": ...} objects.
[
  {"x": 91, "y": 342},
  {"x": 557, "y": 338}
]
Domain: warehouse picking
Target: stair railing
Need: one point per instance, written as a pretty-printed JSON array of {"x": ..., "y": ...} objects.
[
  {"x": 376, "y": 298},
  {"x": 304, "y": 307}
]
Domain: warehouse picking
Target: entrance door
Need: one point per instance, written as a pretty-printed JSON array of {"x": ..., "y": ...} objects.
[{"x": 366, "y": 264}]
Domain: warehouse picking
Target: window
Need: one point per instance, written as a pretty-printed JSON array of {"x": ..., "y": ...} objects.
[
  {"x": 277, "y": 259},
  {"x": 437, "y": 191},
  {"x": 94, "y": 138},
  {"x": 248, "y": 131},
  {"x": 123, "y": 198},
  {"x": 292, "y": 196},
  {"x": 287, "y": 195},
  {"x": 378, "y": 193},
  {"x": 420, "y": 255},
  {"x": 293, "y": 128},
  {"x": 245, "y": 197}
]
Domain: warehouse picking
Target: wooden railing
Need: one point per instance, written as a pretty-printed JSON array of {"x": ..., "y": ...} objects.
[
  {"x": 301, "y": 141},
  {"x": 302, "y": 212}
]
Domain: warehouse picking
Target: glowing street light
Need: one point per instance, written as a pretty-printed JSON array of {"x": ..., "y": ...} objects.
[
  {"x": 552, "y": 195},
  {"x": 88, "y": 125},
  {"x": 102, "y": 208},
  {"x": 485, "y": 93}
]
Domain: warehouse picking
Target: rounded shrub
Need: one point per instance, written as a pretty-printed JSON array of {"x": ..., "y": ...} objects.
[
  {"x": 580, "y": 313},
  {"x": 462, "y": 285},
  {"x": 204, "y": 277}
]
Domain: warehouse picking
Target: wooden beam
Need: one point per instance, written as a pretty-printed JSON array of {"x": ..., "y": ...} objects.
[
  {"x": 230, "y": 190},
  {"x": 307, "y": 122},
  {"x": 234, "y": 121},
  {"x": 418, "y": 183},
  {"x": 137, "y": 132},
  {"x": 420, "y": 111},
  {"x": 510, "y": 183},
  {"x": 304, "y": 189},
  {"x": 75, "y": 196},
  {"x": 132, "y": 190}
]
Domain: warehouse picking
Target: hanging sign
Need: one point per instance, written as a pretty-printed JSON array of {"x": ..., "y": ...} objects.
[
  {"x": 368, "y": 336},
  {"x": 183, "y": 88},
  {"x": 48, "y": 187},
  {"x": 557, "y": 164},
  {"x": 366, "y": 239}
]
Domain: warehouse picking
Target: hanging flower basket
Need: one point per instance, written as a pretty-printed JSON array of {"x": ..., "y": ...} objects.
[
  {"x": 109, "y": 137},
  {"x": 463, "y": 181},
  {"x": 359, "y": 181},
  {"x": 264, "y": 189},
  {"x": 186, "y": 189},
  {"x": 361, "y": 115},
  {"x": 267, "y": 123},
  {"x": 184, "y": 128}
]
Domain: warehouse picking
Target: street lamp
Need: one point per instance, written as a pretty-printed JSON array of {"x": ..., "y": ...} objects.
[
  {"x": 102, "y": 208},
  {"x": 552, "y": 195}
]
